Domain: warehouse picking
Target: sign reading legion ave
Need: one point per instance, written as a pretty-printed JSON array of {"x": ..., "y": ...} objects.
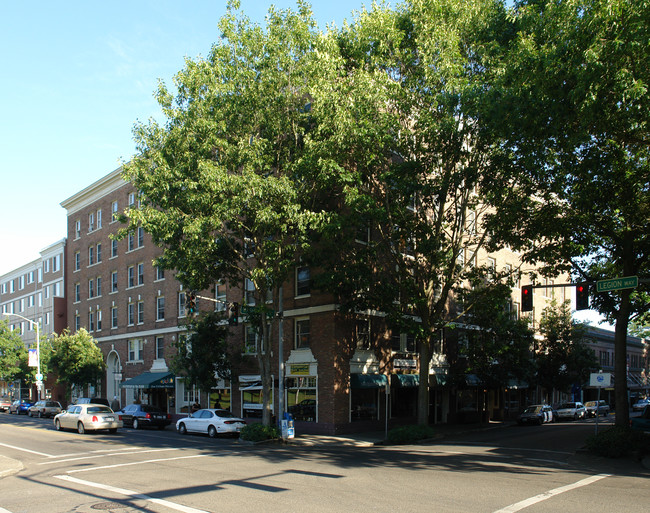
[{"x": 628, "y": 282}]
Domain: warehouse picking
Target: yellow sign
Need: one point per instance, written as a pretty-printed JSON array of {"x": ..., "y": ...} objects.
[{"x": 299, "y": 369}]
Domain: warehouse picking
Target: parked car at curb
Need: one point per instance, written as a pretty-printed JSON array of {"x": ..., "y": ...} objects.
[
  {"x": 640, "y": 404},
  {"x": 20, "y": 406},
  {"x": 5, "y": 402},
  {"x": 44, "y": 409},
  {"x": 88, "y": 417},
  {"x": 210, "y": 421},
  {"x": 571, "y": 411},
  {"x": 536, "y": 414},
  {"x": 603, "y": 408},
  {"x": 642, "y": 422},
  {"x": 144, "y": 415}
]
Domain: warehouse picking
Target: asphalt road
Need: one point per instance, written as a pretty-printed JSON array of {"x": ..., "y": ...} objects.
[{"x": 532, "y": 469}]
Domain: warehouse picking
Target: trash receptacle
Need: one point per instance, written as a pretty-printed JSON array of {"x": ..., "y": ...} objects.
[{"x": 286, "y": 426}]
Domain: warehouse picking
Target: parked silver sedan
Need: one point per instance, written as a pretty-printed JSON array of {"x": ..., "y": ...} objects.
[
  {"x": 44, "y": 409},
  {"x": 572, "y": 410},
  {"x": 88, "y": 417},
  {"x": 210, "y": 421}
]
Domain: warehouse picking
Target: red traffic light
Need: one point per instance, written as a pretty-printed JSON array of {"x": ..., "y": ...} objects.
[{"x": 527, "y": 298}]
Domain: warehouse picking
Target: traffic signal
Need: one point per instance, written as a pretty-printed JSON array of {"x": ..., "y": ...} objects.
[
  {"x": 582, "y": 296},
  {"x": 527, "y": 298},
  {"x": 190, "y": 303},
  {"x": 233, "y": 313}
]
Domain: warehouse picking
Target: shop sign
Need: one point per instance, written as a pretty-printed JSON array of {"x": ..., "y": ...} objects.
[
  {"x": 404, "y": 363},
  {"x": 299, "y": 369}
]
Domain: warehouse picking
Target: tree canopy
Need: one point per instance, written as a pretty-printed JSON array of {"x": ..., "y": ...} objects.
[{"x": 76, "y": 359}]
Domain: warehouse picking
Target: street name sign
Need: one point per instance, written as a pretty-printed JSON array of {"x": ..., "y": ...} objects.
[{"x": 628, "y": 282}]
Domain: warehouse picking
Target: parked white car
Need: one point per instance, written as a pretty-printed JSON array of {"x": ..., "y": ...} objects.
[
  {"x": 212, "y": 422},
  {"x": 571, "y": 410},
  {"x": 88, "y": 417}
]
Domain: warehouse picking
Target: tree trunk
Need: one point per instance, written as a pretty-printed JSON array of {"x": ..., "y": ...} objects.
[
  {"x": 423, "y": 390},
  {"x": 620, "y": 361},
  {"x": 264, "y": 358}
]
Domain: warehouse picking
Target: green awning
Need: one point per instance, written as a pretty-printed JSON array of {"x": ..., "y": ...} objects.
[
  {"x": 368, "y": 381},
  {"x": 151, "y": 380},
  {"x": 406, "y": 380}
]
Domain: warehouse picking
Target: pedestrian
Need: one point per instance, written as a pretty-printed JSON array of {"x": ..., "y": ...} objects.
[
  {"x": 195, "y": 407},
  {"x": 115, "y": 403}
]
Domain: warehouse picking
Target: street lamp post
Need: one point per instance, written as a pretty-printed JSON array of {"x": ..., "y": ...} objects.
[{"x": 39, "y": 376}]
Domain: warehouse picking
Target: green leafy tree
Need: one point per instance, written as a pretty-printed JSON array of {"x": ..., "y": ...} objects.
[
  {"x": 76, "y": 359},
  {"x": 202, "y": 355},
  {"x": 563, "y": 357},
  {"x": 13, "y": 354},
  {"x": 402, "y": 136},
  {"x": 572, "y": 110},
  {"x": 220, "y": 183}
]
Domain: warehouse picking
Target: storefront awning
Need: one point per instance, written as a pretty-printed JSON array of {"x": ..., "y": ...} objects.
[
  {"x": 406, "y": 380},
  {"x": 368, "y": 380},
  {"x": 151, "y": 380}
]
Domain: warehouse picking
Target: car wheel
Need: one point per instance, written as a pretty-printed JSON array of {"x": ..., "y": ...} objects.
[
  {"x": 182, "y": 429},
  {"x": 212, "y": 431},
  {"x": 136, "y": 424},
  {"x": 80, "y": 428},
  {"x": 57, "y": 425}
]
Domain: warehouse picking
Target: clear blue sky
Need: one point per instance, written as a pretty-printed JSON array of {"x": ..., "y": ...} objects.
[{"x": 76, "y": 75}]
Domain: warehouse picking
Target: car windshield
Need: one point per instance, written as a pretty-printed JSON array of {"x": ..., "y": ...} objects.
[
  {"x": 533, "y": 409},
  {"x": 567, "y": 405},
  {"x": 99, "y": 409},
  {"x": 590, "y": 403},
  {"x": 224, "y": 414}
]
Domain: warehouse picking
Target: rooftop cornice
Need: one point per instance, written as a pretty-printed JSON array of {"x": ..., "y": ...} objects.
[{"x": 95, "y": 191}]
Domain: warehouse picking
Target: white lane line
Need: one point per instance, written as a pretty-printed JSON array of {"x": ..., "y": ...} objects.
[
  {"x": 2, "y": 510},
  {"x": 137, "y": 463},
  {"x": 132, "y": 494},
  {"x": 26, "y": 450},
  {"x": 92, "y": 456},
  {"x": 518, "y": 506}
]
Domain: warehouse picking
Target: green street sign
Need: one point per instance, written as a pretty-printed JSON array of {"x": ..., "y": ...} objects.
[{"x": 628, "y": 282}]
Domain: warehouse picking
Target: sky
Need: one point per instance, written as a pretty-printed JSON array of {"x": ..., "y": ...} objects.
[{"x": 76, "y": 77}]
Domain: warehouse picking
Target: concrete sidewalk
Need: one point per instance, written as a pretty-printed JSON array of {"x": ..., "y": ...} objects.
[{"x": 9, "y": 466}]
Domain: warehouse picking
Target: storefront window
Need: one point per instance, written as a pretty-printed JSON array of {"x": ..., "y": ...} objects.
[
  {"x": 251, "y": 400},
  {"x": 364, "y": 404},
  {"x": 220, "y": 398},
  {"x": 301, "y": 398}
]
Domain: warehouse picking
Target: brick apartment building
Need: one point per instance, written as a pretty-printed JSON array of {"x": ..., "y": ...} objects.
[
  {"x": 35, "y": 293},
  {"x": 336, "y": 368}
]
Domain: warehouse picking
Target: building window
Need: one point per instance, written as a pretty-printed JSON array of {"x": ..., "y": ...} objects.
[
  {"x": 30, "y": 301},
  {"x": 402, "y": 342},
  {"x": 57, "y": 289},
  {"x": 40, "y": 274},
  {"x": 250, "y": 340},
  {"x": 249, "y": 297},
  {"x": 47, "y": 318},
  {"x": 131, "y": 199},
  {"x": 491, "y": 268},
  {"x": 114, "y": 281},
  {"x": 99, "y": 219},
  {"x": 22, "y": 305},
  {"x": 40, "y": 299},
  {"x": 91, "y": 288},
  {"x": 99, "y": 320},
  {"x": 160, "y": 273},
  {"x": 113, "y": 248},
  {"x": 303, "y": 281},
  {"x": 11, "y": 286},
  {"x": 114, "y": 211},
  {"x": 140, "y": 274},
  {"x": 302, "y": 333},
  {"x": 130, "y": 314},
  {"x": 99, "y": 285},
  {"x": 77, "y": 322},
  {"x": 160, "y": 348},
  {"x": 140, "y": 236},
  {"x": 77, "y": 261},
  {"x": 77, "y": 230},
  {"x": 91, "y": 222},
  {"x": 131, "y": 242},
  {"x": 91, "y": 255},
  {"x": 99, "y": 252},
  {"x": 362, "y": 334},
  {"x": 113, "y": 317},
  {"x": 220, "y": 296},
  {"x": 160, "y": 308},
  {"x": 131, "y": 277},
  {"x": 91, "y": 321},
  {"x": 140, "y": 312},
  {"x": 77, "y": 292},
  {"x": 181, "y": 304},
  {"x": 30, "y": 277},
  {"x": 21, "y": 283},
  {"x": 135, "y": 350}
]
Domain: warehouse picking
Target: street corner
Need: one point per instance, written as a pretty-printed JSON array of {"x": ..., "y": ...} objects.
[{"x": 9, "y": 466}]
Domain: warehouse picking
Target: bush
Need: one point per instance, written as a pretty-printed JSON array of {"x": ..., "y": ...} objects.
[
  {"x": 409, "y": 434},
  {"x": 617, "y": 442},
  {"x": 259, "y": 432}
]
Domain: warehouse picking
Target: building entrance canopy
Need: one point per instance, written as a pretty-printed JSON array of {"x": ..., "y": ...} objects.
[{"x": 151, "y": 380}]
